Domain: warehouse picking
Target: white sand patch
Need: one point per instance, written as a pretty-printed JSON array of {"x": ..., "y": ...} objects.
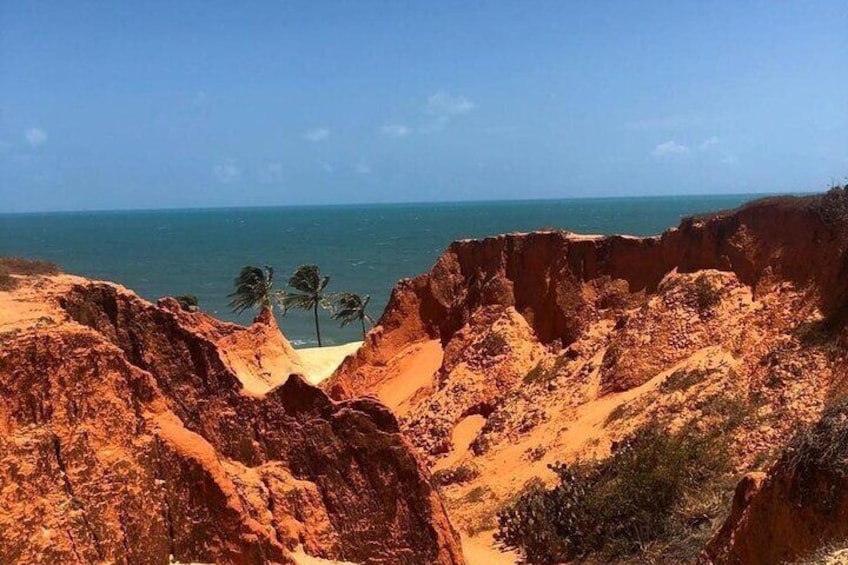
[{"x": 320, "y": 362}]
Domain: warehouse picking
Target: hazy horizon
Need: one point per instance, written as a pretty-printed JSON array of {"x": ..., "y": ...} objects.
[
  {"x": 505, "y": 201},
  {"x": 209, "y": 105}
]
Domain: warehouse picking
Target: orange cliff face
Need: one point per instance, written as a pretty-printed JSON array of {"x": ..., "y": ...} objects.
[
  {"x": 131, "y": 432},
  {"x": 518, "y": 351}
]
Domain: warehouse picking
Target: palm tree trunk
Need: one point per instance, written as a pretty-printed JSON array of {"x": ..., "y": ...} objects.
[
  {"x": 317, "y": 327},
  {"x": 363, "y": 327}
]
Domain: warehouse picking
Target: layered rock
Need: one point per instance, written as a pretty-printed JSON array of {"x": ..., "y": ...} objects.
[
  {"x": 128, "y": 436},
  {"x": 798, "y": 509},
  {"x": 525, "y": 349}
]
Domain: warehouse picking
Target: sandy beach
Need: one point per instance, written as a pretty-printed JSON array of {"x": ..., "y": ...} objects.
[{"x": 320, "y": 362}]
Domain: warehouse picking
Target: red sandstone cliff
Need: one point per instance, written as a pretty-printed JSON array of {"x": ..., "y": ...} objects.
[
  {"x": 521, "y": 350},
  {"x": 126, "y": 436}
]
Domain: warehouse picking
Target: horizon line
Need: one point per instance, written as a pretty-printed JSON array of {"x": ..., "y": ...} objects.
[{"x": 403, "y": 203}]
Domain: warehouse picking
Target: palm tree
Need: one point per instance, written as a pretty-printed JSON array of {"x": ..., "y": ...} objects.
[
  {"x": 351, "y": 307},
  {"x": 309, "y": 283},
  {"x": 253, "y": 288}
]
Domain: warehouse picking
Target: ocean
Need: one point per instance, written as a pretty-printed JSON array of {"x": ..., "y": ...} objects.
[{"x": 363, "y": 248}]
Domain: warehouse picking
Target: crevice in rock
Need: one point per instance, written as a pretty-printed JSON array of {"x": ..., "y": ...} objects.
[
  {"x": 69, "y": 490},
  {"x": 167, "y": 503}
]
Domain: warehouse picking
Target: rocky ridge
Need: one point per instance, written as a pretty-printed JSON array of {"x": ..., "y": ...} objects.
[
  {"x": 521, "y": 350},
  {"x": 139, "y": 433}
]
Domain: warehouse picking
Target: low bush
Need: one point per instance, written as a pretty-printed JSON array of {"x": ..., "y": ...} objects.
[
  {"x": 706, "y": 295},
  {"x": 455, "y": 475},
  {"x": 18, "y": 266},
  {"x": 651, "y": 488},
  {"x": 188, "y": 302},
  {"x": 822, "y": 446},
  {"x": 7, "y": 282},
  {"x": 21, "y": 266}
]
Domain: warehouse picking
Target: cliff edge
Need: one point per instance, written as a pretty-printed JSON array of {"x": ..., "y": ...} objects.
[
  {"x": 518, "y": 351},
  {"x": 139, "y": 433}
]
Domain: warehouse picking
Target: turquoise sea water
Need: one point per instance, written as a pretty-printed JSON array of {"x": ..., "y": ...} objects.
[{"x": 364, "y": 248}]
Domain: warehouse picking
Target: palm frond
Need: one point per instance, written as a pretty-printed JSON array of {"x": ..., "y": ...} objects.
[
  {"x": 252, "y": 288},
  {"x": 296, "y": 300},
  {"x": 350, "y": 307},
  {"x": 307, "y": 279}
]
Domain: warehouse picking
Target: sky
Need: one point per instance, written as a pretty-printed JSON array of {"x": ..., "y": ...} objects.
[{"x": 127, "y": 105}]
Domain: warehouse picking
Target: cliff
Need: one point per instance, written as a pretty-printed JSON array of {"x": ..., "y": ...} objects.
[
  {"x": 133, "y": 432},
  {"x": 521, "y": 350},
  {"x": 799, "y": 508}
]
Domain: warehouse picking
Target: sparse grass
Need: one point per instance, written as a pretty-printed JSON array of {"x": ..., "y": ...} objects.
[
  {"x": 821, "y": 447},
  {"x": 458, "y": 475},
  {"x": 27, "y": 267},
  {"x": 684, "y": 379},
  {"x": 7, "y": 282},
  {"x": 21, "y": 266},
  {"x": 544, "y": 372},
  {"x": 475, "y": 495},
  {"x": 658, "y": 487},
  {"x": 618, "y": 413},
  {"x": 731, "y": 412}
]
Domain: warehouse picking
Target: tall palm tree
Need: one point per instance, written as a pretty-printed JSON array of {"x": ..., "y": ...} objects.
[
  {"x": 310, "y": 286},
  {"x": 253, "y": 288},
  {"x": 351, "y": 307}
]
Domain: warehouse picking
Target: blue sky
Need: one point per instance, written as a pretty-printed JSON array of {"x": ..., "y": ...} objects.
[{"x": 184, "y": 104}]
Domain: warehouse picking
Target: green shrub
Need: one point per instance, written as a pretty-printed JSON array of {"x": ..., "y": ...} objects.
[
  {"x": 188, "y": 302},
  {"x": 639, "y": 495},
  {"x": 706, "y": 295}
]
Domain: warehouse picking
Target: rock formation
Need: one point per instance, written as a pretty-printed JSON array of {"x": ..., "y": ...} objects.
[
  {"x": 135, "y": 433},
  {"x": 798, "y": 508},
  {"x": 521, "y": 350}
]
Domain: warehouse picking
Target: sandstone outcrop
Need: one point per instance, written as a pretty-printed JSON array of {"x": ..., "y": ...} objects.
[
  {"x": 521, "y": 350},
  {"x": 136, "y": 433},
  {"x": 799, "y": 509}
]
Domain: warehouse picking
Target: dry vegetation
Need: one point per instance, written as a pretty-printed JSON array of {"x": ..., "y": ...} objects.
[
  {"x": 24, "y": 267},
  {"x": 659, "y": 492}
]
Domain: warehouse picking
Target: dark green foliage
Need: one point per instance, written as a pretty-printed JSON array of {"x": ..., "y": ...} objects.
[
  {"x": 309, "y": 286},
  {"x": 350, "y": 307},
  {"x": 706, "y": 295},
  {"x": 617, "y": 506},
  {"x": 188, "y": 302},
  {"x": 252, "y": 288},
  {"x": 455, "y": 475}
]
